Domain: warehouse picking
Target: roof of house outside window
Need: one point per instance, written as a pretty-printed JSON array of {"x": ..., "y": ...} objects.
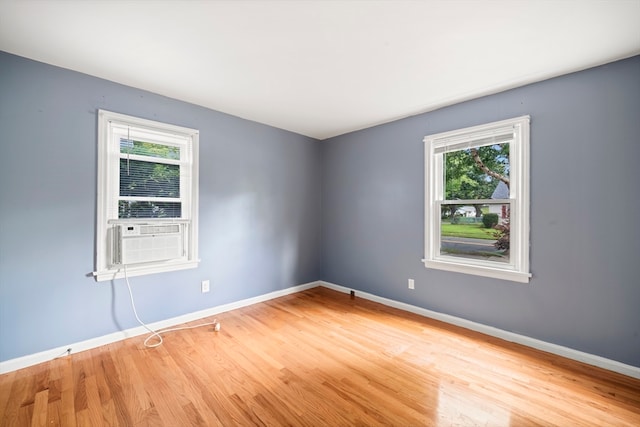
[{"x": 501, "y": 191}]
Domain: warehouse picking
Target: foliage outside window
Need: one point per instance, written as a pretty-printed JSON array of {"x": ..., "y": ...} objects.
[
  {"x": 150, "y": 181},
  {"x": 477, "y": 200},
  {"x": 147, "y": 172}
]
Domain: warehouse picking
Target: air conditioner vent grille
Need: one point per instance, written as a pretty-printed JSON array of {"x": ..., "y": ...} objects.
[
  {"x": 145, "y": 243},
  {"x": 159, "y": 229}
]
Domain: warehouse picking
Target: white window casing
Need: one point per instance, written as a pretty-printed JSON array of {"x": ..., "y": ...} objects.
[
  {"x": 114, "y": 209},
  {"x": 515, "y": 132}
]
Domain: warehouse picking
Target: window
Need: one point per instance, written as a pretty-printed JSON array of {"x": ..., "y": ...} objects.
[
  {"x": 477, "y": 200},
  {"x": 147, "y": 180}
]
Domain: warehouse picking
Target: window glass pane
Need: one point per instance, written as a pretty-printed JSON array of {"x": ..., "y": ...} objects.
[
  {"x": 477, "y": 231},
  {"x": 148, "y": 179},
  {"x": 136, "y": 209},
  {"x": 129, "y": 146},
  {"x": 477, "y": 173}
]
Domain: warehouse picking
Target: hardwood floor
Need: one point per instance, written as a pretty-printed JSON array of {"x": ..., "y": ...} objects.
[{"x": 318, "y": 358}]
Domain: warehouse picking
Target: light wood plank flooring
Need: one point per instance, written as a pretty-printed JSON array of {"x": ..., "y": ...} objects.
[{"x": 318, "y": 358}]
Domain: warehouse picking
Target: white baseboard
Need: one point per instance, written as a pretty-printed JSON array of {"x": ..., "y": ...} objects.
[
  {"x": 47, "y": 355},
  {"x": 569, "y": 353},
  {"x": 591, "y": 359}
]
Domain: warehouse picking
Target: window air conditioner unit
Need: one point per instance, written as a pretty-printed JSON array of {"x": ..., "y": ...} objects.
[{"x": 144, "y": 243}]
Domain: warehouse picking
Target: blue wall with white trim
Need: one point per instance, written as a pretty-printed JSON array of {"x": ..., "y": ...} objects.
[
  {"x": 278, "y": 209},
  {"x": 259, "y": 210},
  {"x": 585, "y": 202}
]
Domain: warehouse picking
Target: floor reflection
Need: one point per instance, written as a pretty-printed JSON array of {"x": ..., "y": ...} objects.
[{"x": 457, "y": 406}]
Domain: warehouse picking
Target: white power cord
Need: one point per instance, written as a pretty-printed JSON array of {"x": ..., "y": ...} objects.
[{"x": 156, "y": 334}]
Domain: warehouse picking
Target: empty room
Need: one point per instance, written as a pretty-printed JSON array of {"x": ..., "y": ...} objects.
[{"x": 319, "y": 213}]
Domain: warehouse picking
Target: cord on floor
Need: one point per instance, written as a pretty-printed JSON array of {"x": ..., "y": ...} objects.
[{"x": 157, "y": 333}]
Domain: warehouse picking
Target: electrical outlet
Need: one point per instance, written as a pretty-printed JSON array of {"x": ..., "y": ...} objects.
[
  {"x": 412, "y": 284},
  {"x": 204, "y": 286}
]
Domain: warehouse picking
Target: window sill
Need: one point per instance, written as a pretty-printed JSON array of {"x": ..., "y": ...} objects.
[
  {"x": 478, "y": 270},
  {"x": 139, "y": 270}
]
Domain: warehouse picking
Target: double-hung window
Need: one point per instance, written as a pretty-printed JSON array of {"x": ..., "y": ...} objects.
[
  {"x": 477, "y": 200},
  {"x": 147, "y": 196}
]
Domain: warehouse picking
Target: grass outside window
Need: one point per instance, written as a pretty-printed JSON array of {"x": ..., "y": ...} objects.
[{"x": 474, "y": 231}]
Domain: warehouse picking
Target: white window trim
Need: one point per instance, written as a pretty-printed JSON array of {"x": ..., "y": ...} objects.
[
  {"x": 108, "y": 156},
  {"x": 517, "y": 269}
]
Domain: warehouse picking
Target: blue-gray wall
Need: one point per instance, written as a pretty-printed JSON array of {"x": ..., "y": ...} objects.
[
  {"x": 585, "y": 210},
  {"x": 259, "y": 210},
  {"x": 278, "y": 209}
]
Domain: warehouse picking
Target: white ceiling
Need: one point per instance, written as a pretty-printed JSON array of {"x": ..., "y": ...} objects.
[{"x": 322, "y": 68}]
